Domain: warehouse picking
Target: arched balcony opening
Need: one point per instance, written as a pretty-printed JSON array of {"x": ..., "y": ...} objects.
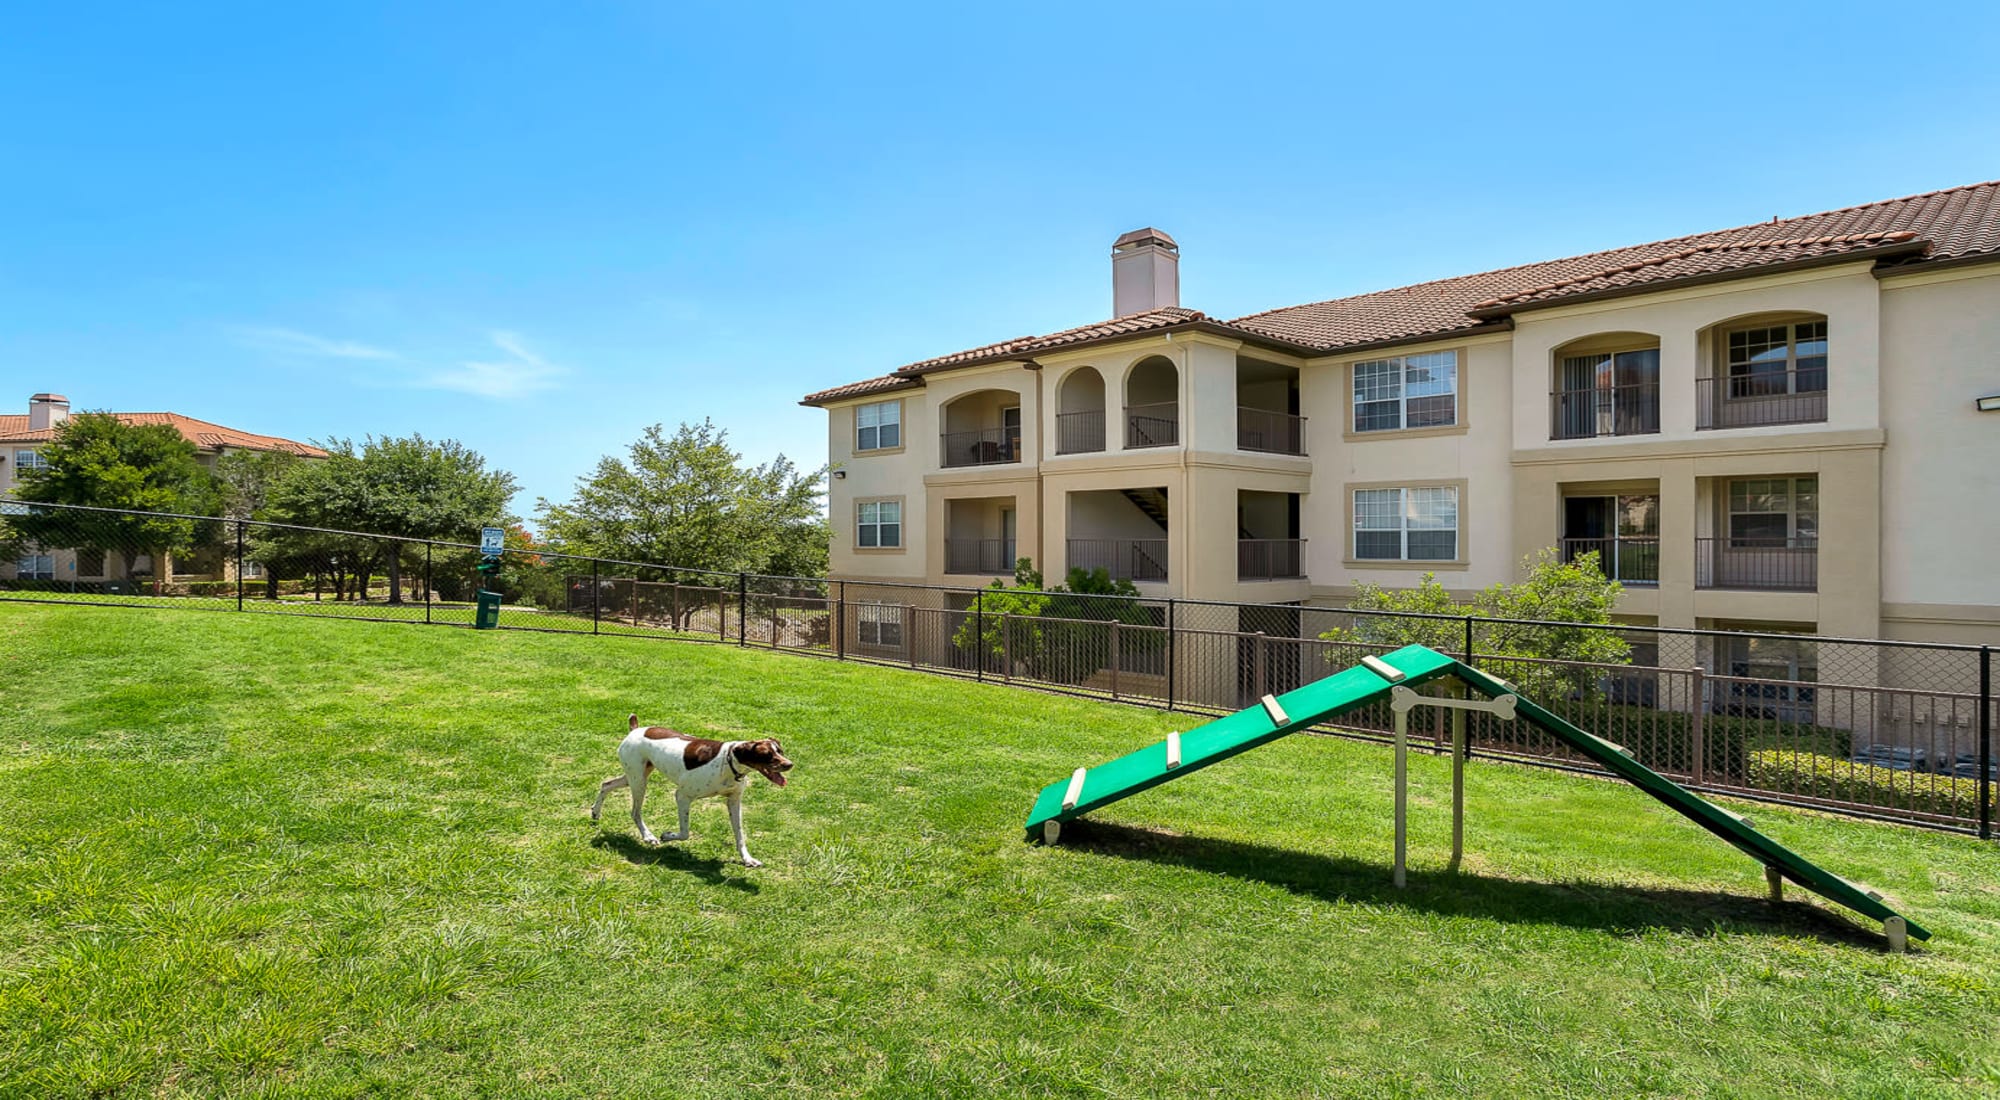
[
  {"x": 1080, "y": 412},
  {"x": 1607, "y": 384},
  {"x": 1762, "y": 369},
  {"x": 1152, "y": 404},
  {"x": 981, "y": 428}
]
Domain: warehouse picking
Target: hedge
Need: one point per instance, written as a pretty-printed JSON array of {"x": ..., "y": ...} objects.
[{"x": 1836, "y": 779}]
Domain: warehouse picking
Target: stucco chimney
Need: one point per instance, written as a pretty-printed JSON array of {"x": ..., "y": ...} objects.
[
  {"x": 1145, "y": 272},
  {"x": 46, "y": 410}
]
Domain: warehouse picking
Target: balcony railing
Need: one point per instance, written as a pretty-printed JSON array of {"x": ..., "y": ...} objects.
[
  {"x": 1124, "y": 559},
  {"x": 1627, "y": 559},
  {"x": 1269, "y": 559},
  {"x": 1270, "y": 432},
  {"x": 1756, "y": 400},
  {"x": 1156, "y": 425},
  {"x": 982, "y": 556},
  {"x": 985, "y": 448},
  {"x": 1763, "y": 564},
  {"x": 1602, "y": 411},
  {"x": 1080, "y": 433}
]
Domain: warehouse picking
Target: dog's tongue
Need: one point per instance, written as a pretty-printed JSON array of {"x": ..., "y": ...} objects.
[{"x": 778, "y": 779}]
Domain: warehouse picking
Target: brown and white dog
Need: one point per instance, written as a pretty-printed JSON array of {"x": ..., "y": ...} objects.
[{"x": 698, "y": 768}]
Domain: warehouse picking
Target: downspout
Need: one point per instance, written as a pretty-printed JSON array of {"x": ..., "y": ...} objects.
[
  {"x": 1178, "y": 532},
  {"x": 1041, "y": 503}
]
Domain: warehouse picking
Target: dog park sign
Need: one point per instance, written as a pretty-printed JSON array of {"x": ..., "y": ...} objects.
[{"x": 492, "y": 542}]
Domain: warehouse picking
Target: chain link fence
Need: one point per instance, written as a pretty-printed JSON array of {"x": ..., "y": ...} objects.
[{"x": 1902, "y": 731}]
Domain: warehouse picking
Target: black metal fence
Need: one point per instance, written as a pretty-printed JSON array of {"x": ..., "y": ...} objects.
[{"x": 1903, "y": 731}]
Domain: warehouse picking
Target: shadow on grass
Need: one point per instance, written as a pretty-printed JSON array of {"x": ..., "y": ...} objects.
[
  {"x": 1604, "y": 907},
  {"x": 711, "y": 871}
]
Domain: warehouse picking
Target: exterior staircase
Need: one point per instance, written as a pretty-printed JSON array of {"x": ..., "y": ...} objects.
[{"x": 1153, "y": 502}]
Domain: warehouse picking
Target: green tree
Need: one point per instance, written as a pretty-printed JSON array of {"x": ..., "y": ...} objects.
[
  {"x": 98, "y": 460},
  {"x": 403, "y": 488},
  {"x": 688, "y": 502},
  {"x": 1555, "y": 615},
  {"x": 246, "y": 479}
]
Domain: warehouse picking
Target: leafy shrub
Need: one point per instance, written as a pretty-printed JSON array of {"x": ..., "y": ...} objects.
[
  {"x": 1054, "y": 633},
  {"x": 1557, "y": 614},
  {"x": 1837, "y": 779}
]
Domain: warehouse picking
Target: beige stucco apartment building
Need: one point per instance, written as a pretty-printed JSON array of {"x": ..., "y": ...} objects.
[
  {"x": 21, "y": 441},
  {"x": 1775, "y": 427}
]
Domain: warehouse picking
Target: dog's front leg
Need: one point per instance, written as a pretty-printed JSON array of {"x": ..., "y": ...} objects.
[{"x": 736, "y": 823}]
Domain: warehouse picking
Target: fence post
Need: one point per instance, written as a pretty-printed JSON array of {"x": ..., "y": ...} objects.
[
  {"x": 777, "y": 623},
  {"x": 910, "y": 633},
  {"x": 1114, "y": 659},
  {"x": 239, "y": 565},
  {"x": 596, "y": 596},
  {"x": 1006, "y": 650},
  {"x": 742, "y": 609},
  {"x": 1171, "y": 662},
  {"x": 979, "y": 634},
  {"x": 1697, "y": 735},
  {"x": 1257, "y": 664},
  {"x": 1986, "y": 742},
  {"x": 721, "y": 614},
  {"x": 1468, "y": 641},
  {"x": 427, "y": 582},
  {"x": 840, "y": 624}
]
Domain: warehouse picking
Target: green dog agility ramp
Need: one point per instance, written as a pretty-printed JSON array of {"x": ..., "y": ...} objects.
[{"x": 1374, "y": 681}]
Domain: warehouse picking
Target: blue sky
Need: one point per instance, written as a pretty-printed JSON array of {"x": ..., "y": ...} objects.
[{"x": 539, "y": 228}]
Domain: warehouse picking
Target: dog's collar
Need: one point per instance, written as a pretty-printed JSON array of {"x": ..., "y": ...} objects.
[{"x": 729, "y": 758}]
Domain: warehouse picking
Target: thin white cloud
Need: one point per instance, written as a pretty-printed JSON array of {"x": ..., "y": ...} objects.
[
  {"x": 287, "y": 341},
  {"x": 522, "y": 372}
]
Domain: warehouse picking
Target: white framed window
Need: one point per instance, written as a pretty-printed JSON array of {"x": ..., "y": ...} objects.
[
  {"x": 879, "y": 426},
  {"x": 1406, "y": 391},
  {"x": 1771, "y": 678},
  {"x": 878, "y": 524},
  {"x": 879, "y": 624},
  {"x": 1417, "y": 524},
  {"x": 1777, "y": 359},
  {"x": 35, "y": 567},
  {"x": 27, "y": 458},
  {"x": 1774, "y": 512}
]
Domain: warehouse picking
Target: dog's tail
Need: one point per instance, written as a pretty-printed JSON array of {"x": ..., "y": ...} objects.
[{"x": 631, "y": 721}]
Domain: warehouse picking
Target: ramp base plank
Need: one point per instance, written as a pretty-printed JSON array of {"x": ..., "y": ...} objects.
[{"x": 1350, "y": 689}]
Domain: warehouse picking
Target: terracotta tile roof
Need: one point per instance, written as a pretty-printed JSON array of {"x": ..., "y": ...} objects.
[
  {"x": 883, "y": 384},
  {"x": 1710, "y": 258},
  {"x": 1961, "y": 224},
  {"x": 1131, "y": 324},
  {"x": 201, "y": 433},
  {"x": 1956, "y": 224}
]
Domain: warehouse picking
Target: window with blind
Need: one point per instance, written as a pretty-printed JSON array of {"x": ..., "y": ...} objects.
[
  {"x": 879, "y": 624},
  {"x": 1607, "y": 393},
  {"x": 879, "y": 524},
  {"x": 1777, "y": 359},
  {"x": 878, "y": 426},
  {"x": 1416, "y": 524},
  {"x": 1774, "y": 512},
  {"x": 1407, "y": 391}
]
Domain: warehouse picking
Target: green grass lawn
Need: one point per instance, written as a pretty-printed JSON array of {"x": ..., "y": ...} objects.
[{"x": 255, "y": 855}]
